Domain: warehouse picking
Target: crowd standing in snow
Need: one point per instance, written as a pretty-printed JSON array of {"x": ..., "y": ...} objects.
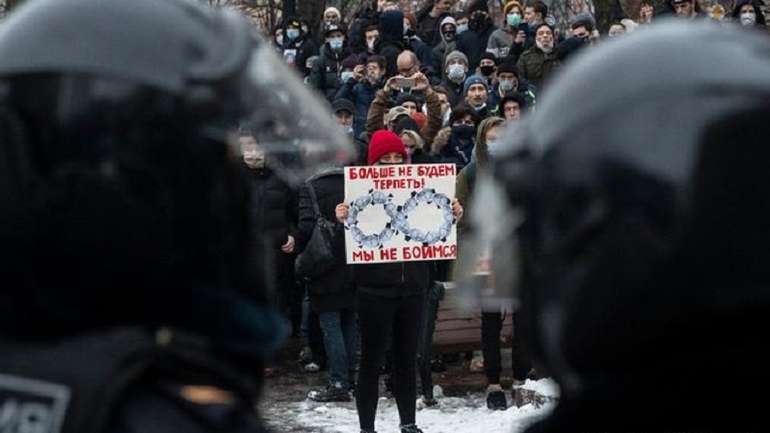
[{"x": 437, "y": 85}]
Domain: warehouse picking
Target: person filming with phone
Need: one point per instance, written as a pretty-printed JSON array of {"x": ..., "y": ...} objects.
[{"x": 409, "y": 80}]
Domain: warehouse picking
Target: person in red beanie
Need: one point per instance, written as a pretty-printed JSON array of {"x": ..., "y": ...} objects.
[{"x": 390, "y": 305}]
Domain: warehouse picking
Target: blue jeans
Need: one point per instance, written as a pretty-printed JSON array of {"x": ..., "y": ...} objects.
[{"x": 341, "y": 341}]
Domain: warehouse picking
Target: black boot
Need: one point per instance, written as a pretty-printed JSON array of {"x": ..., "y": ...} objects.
[
  {"x": 410, "y": 428},
  {"x": 496, "y": 400},
  {"x": 332, "y": 392}
]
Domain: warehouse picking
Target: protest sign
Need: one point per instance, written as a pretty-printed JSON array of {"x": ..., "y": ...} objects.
[{"x": 400, "y": 213}]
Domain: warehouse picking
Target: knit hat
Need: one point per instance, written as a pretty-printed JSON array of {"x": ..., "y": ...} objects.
[
  {"x": 405, "y": 97},
  {"x": 455, "y": 55},
  {"x": 508, "y": 67},
  {"x": 343, "y": 104},
  {"x": 394, "y": 113},
  {"x": 510, "y": 5},
  {"x": 473, "y": 79},
  {"x": 488, "y": 55},
  {"x": 333, "y": 9},
  {"x": 382, "y": 143}
]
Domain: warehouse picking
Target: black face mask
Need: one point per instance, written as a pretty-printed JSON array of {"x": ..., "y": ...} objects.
[
  {"x": 487, "y": 70},
  {"x": 463, "y": 132},
  {"x": 478, "y": 22}
]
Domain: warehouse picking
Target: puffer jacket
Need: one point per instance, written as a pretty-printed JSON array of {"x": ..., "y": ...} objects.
[{"x": 326, "y": 72}]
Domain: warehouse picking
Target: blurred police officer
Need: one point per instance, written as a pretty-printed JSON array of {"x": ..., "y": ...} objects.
[
  {"x": 124, "y": 230},
  {"x": 644, "y": 242}
]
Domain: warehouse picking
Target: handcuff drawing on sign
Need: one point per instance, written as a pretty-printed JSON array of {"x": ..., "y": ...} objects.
[{"x": 399, "y": 218}]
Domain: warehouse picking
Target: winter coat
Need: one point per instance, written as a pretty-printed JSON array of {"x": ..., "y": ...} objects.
[
  {"x": 438, "y": 56},
  {"x": 500, "y": 42},
  {"x": 422, "y": 50},
  {"x": 391, "y": 40},
  {"x": 536, "y": 66},
  {"x": 326, "y": 72},
  {"x": 333, "y": 290},
  {"x": 273, "y": 218},
  {"x": 449, "y": 149},
  {"x": 382, "y": 103},
  {"x": 301, "y": 49},
  {"x": 473, "y": 44},
  {"x": 428, "y": 27},
  {"x": 455, "y": 91},
  {"x": 525, "y": 89},
  {"x": 361, "y": 93}
]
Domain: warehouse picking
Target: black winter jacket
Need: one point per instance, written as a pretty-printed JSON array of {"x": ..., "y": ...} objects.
[{"x": 333, "y": 290}]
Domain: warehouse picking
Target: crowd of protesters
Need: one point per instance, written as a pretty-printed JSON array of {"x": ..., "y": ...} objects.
[{"x": 430, "y": 86}]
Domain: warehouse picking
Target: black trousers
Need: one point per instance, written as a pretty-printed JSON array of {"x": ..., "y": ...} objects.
[
  {"x": 491, "y": 326},
  {"x": 378, "y": 317}
]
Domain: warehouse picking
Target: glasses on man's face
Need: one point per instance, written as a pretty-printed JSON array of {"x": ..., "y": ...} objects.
[{"x": 466, "y": 122}]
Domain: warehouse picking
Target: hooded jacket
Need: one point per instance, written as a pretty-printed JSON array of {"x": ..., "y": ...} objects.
[
  {"x": 391, "y": 40},
  {"x": 443, "y": 47}
]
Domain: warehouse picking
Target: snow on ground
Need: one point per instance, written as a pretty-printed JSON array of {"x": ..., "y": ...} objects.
[{"x": 467, "y": 414}]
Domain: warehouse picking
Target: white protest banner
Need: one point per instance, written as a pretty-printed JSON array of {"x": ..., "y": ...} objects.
[{"x": 400, "y": 213}]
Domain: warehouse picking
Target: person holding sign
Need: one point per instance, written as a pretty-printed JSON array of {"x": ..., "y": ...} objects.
[{"x": 390, "y": 300}]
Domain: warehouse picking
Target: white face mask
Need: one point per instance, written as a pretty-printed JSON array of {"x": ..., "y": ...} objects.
[
  {"x": 456, "y": 72},
  {"x": 461, "y": 28},
  {"x": 506, "y": 85},
  {"x": 748, "y": 18},
  {"x": 544, "y": 47},
  {"x": 494, "y": 147},
  {"x": 345, "y": 76}
]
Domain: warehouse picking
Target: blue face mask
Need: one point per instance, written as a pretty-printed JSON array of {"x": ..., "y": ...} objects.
[
  {"x": 336, "y": 43},
  {"x": 292, "y": 34},
  {"x": 462, "y": 28},
  {"x": 494, "y": 147},
  {"x": 513, "y": 20}
]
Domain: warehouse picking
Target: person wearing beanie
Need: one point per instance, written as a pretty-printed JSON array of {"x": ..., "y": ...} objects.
[
  {"x": 455, "y": 72},
  {"x": 326, "y": 73},
  {"x": 343, "y": 110},
  {"x": 509, "y": 39},
  {"x": 474, "y": 42},
  {"x": 476, "y": 94},
  {"x": 390, "y": 306},
  {"x": 510, "y": 82},
  {"x": 487, "y": 67},
  {"x": 511, "y": 107}
]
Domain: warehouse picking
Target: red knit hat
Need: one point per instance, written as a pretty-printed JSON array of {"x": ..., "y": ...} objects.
[
  {"x": 384, "y": 142},
  {"x": 420, "y": 119}
]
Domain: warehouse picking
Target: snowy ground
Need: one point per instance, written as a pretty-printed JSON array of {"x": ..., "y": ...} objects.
[{"x": 466, "y": 414}]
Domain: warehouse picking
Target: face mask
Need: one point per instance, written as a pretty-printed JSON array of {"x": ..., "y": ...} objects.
[
  {"x": 487, "y": 70},
  {"x": 748, "y": 18},
  {"x": 513, "y": 20},
  {"x": 546, "y": 48},
  {"x": 336, "y": 43},
  {"x": 493, "y": 148},
  {"x": 279, "y": 40},
  {"x": 456, "y": 73},
  {"x": 347, "y": 130},
  {"x": 463, "y": 132},
  {"x": 462, "y": 28},
  {"x": 345, "y": 76},
  {"x": 506, "y": 85},
  {"x": 370, "y": 44},
  {"x": 292, "y": 34}
]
